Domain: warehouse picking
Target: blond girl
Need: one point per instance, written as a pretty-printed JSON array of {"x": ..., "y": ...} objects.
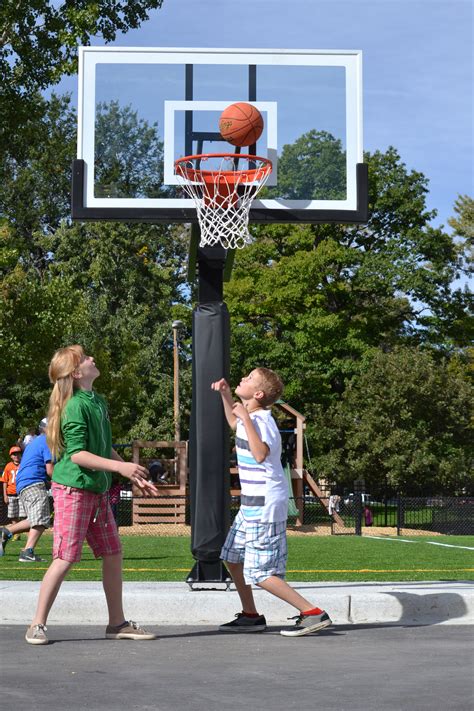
[{"x": 79, "y": 437}]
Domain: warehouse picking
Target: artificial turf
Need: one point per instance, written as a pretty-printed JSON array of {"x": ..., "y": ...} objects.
[{"x": 310, "y": 558}]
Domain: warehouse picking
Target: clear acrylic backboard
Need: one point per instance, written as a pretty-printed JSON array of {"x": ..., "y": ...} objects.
[{"x": 140, "y": 109}]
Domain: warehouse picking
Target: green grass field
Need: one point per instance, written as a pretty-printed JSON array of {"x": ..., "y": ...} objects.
[{"x": 315, "y": 558}]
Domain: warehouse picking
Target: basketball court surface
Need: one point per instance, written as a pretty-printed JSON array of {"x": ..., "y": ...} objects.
[{"x": 365, "y": 668}]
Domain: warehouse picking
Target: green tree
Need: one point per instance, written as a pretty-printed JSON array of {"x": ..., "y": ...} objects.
[
  {"x": 451, "y": 311},
  {"x": 130, "y": 278},
  {"x": 38, "y": 45},
  {"x": 314, "y": 166},
  {"x": 35, "y": 190},
  {"x": 36, "y": 312},
  {"x": 128, "y": 154},
  {"x": 113, "y": 287},
  {"x": 312, "y": 299},
  {"x": 315, "y": 301},
  {"x": 463, "y": 223},
  {"x": 403, "y": 424}
]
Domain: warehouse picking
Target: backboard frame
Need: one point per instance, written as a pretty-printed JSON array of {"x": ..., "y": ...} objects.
[{"x": 85, "y": 206}]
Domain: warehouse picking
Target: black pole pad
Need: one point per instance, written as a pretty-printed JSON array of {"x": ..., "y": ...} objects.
[
  {"x": 211, "y": 262},
  {"x": 209, "y": 476}
]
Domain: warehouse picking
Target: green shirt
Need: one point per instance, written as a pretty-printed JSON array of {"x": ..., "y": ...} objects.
[{"x": 85, "y": 426}]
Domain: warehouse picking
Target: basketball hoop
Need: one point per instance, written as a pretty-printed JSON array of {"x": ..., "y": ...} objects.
[{"x": 223, "y": 194}]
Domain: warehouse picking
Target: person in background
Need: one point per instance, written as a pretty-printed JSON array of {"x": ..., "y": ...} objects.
[
  {"x": 333, "y": 504},
  {"x": 28, "y": 438},
  {"x": 114, "y": 497},
  {"x": 368, "y": 518},
  {"x": 32, "y": 481},
  {"x": 10, "y": 496},
  {"x": 32, "y": 434},
  {"x": 158, "y": 474}
]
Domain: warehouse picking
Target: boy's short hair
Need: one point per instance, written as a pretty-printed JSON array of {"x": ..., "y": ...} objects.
[{"x": 272, "y": 386}]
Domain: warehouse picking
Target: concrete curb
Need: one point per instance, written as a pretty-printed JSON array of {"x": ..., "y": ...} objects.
[{"x": 416, "y": 603}]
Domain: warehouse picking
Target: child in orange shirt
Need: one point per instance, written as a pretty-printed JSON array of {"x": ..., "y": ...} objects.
[{"x": 10, "y": 497}]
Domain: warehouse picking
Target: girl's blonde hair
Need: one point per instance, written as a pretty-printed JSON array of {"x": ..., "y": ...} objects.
[{"x": 63, "y": 364}]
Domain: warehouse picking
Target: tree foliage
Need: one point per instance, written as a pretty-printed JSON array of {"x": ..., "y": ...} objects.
[
  {"x": 113, "y": 287},
  {"x": 36, "y": 311},
  {"x": 319, "y": 302},
  {"x": 463, "y": 222},
  {"x": 35, "y": 190},
  {"x": 363, "y": 322},
  {"x": 130, "y": 278},
  {"x": 128, "y": 154},
  {"x": 314, "y": 166},
  {"x": 38, "y": 45},
  {"x": 403, "y": 424},
  {"x": 314, "y": 298}
]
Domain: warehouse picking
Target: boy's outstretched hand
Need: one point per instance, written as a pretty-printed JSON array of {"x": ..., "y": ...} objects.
[{"x": 222, "y": 386}]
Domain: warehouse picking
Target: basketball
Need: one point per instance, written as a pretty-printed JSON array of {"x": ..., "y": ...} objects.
[{"x": 241, "y": 124}]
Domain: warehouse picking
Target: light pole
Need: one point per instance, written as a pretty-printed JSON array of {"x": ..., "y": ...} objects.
[{"x": 176, "y": 325}]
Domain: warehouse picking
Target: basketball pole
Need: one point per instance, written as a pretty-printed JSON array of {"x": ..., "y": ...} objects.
[{"x": 209, "y": 476}]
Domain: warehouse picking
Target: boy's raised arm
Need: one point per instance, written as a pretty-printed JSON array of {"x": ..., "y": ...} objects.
[
  {"x": 259, "y": 449},
  {"x": 223, "y": 387}
]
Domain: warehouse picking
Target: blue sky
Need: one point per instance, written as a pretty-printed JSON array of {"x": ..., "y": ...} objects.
[{"x": 418, "y": 69}]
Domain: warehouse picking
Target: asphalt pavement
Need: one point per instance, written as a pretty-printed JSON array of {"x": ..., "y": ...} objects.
[{"x": 344, "y": 668}]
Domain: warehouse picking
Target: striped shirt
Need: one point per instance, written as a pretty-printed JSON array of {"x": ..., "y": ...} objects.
[{"x": 264, "y": 494}]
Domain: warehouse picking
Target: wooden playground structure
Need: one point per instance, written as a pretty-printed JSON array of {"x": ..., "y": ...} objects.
[
  {"x": 301, "y": 476},
  {"x": 170, "y": 506}
]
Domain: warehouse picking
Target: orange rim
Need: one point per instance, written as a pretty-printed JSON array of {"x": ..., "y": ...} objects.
[{"x": 197, "y": 175}]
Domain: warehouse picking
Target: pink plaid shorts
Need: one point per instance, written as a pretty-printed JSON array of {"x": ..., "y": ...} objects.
[{"x": 74, "y": 514}]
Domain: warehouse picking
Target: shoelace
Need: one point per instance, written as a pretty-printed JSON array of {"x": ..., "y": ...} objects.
[
  {"x": 298, "y": 618},
  {"x": 134, "y": 625},
  {"x": 39, "y": 628}
]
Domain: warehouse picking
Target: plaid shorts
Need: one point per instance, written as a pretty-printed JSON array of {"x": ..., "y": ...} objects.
[
  {"x": 74, "y": 514},
  {"x": 35, "y": 501},
  {"x": 261, "y": 547},
  {"x": 15, "y": 507}
]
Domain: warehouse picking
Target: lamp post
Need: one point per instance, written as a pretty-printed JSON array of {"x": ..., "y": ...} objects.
[{"x": 176, "y": 325}]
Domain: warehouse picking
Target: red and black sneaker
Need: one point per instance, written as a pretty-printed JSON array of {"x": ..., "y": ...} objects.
[{"x": 307, "y": 624}]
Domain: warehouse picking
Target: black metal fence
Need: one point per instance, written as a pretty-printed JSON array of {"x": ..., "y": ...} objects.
[
  {"x": 449, "y": 515},
  {"x": 400, "y": 515}
]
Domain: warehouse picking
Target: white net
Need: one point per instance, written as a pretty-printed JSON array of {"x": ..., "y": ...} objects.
[{"x": 223, "y": 189}]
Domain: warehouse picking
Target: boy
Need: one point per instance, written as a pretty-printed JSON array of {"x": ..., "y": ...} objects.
[
  {"x": 10, "y": 496},
  {"x": 255, "y": 549},
  {"x": 32, "y": 477}
]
